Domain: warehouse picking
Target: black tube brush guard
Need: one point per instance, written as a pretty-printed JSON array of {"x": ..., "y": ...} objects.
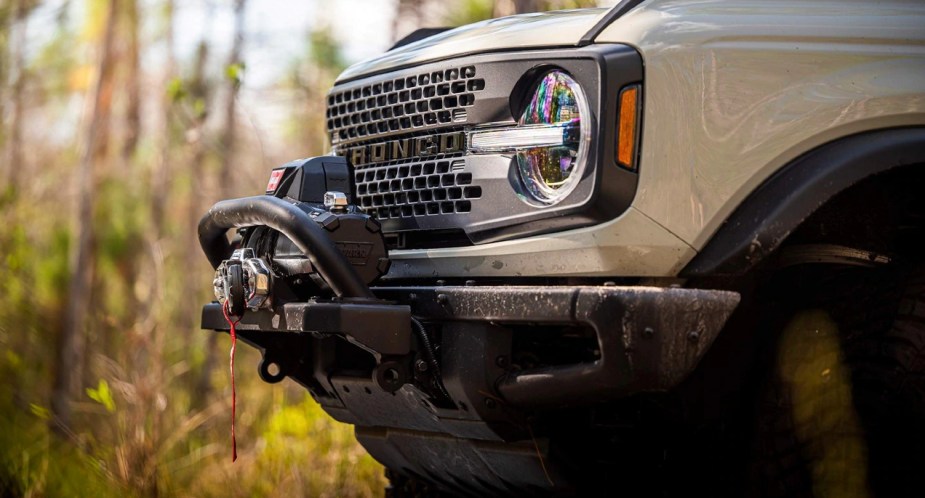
[{"x": 291, "y": 221}]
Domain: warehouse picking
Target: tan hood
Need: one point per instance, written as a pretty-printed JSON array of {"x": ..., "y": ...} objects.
[{"x": 546, "y": 29}]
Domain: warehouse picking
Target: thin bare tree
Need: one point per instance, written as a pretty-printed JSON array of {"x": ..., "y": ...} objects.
[
  {"x": 132, "y": 62},
  {"x": 233, "y": 71},
  {"x": 199, "y": 92},
  {"x": 70, "y": 345},
  {"x": 160, "y": 174},
  {"x": 409, "y": 15},
  {"x": 5, "y": 24},
  {"x": 17, "y": 95},
  {"x": 226, "y": 157}
]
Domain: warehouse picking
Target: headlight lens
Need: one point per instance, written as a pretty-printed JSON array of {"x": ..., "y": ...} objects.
[{"x": 550, "y": 173}]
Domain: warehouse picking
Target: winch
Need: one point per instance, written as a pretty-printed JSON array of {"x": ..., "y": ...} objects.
[
  {"x": 247, "y": 277},
  {"x": 244, "y": 280},
  {"x": 302, "y": 262}
]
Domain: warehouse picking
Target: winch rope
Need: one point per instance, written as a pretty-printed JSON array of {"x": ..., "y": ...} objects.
[{"x": 226, "y": 310}]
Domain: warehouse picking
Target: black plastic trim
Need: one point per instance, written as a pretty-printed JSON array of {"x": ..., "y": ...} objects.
[
  {"x": 418, "y": 35},
  {"x": 765, "y": 219},
  {"x": 612, "y": 15}
]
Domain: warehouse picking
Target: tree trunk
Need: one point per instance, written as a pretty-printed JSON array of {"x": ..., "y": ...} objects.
[
  {"x": 133, "y": 87},
  {"x": 70, "y": 347},
  {"x": 6, "y": 24},
  {"x": 18, "y": 69},
  {"x": 407, "y": 12},
  {"x": 153, "y": 307},
  {"x": 227, "y": 156},
  {"x": 226, "y": 160},
  {"x": 161, "y": 173},
  {"x": 192, "y": 253}
]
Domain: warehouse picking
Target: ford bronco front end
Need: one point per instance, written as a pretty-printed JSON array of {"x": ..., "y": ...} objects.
[{"x": 486, "y": 279}]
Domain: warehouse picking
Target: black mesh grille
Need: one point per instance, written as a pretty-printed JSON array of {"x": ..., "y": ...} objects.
[
  {"x": 406, "y": 133},
  {"x": 422, "y": 188},
  {"x": 402, "y": 105}
]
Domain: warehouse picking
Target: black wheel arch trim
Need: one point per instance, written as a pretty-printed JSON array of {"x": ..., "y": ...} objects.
[{"x": 775, "y": 209}]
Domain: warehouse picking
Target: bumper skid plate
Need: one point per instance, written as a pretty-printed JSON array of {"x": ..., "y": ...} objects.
[{"x": 361, "y": 361}]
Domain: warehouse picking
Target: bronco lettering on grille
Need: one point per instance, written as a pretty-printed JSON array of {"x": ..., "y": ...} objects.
[{"x": 406, "y": 148}]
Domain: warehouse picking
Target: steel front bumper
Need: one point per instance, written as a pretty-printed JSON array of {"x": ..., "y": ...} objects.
[
  {"x": 649, "y": 338},
  {"x": 480, "y": 439}
]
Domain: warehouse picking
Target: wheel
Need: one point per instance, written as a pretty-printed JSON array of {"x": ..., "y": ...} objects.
[{"x": 844, "y": 411}]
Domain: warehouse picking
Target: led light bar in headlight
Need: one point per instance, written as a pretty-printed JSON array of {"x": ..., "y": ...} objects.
[
  {"x": 549, "y": 143},
  {"x": 523, "y": 137}
]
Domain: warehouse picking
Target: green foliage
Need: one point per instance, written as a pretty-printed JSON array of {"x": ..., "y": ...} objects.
[
  {"x": 134, "y": 435},
  {"x": 176, "y": 91},
  {"x": 15, "y": 262},
  {"x": 297, "y": 448},
  {"x": 35, "y": 463},
  {"x": 469, "y": 11},
  {"x": 51, "y": 271},
  {"x": 325, "y": 52},
  {"x": 235, "y": 72},
  {"x": 102, "y": 395},
  {"x": 40, "y": 411},
  {"x": 61, "y": 71}
]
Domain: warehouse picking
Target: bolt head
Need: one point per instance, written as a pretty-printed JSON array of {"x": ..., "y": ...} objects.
[
  {"x": 335, "y": 201},
  {"x": 334, "y": 198},
  {"x": 372, "y": 225},
  {"x": 329, "y": 222}
]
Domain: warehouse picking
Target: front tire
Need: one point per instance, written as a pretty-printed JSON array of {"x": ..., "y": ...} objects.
[{"x": 844, "y": 411}]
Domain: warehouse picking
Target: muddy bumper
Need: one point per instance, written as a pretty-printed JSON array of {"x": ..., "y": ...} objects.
[
  {"x": 506, "y": 355},
  {"x": 643, "y": 338}
]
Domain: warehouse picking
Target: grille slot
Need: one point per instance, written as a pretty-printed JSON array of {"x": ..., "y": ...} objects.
[
  {"x": 427, "y": 188},
  {"x": 402, "y": 105}
]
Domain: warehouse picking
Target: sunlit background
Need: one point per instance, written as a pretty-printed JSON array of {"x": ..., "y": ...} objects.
[{"x": 122, "y": 121}]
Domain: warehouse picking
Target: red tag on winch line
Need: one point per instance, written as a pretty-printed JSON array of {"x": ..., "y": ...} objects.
[{"x": 231, "y": 323}]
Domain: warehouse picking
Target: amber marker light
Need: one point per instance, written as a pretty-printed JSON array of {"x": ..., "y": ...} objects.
[{"x": 626, "y": 131}]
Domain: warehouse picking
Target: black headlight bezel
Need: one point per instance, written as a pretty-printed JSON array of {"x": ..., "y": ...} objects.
[{"x": 605, "y": 190}]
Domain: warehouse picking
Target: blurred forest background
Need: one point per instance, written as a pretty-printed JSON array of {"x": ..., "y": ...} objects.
[{"x": 122, "y": 122}]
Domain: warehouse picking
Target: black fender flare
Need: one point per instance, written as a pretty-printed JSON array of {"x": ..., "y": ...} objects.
[{"x": 775, "y": 209}]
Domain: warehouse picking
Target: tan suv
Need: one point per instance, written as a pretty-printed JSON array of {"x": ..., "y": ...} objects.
[{"x": 666, "y": 248}]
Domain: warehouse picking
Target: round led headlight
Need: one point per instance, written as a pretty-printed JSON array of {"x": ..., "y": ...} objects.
[{"x": 555, "y": 110}]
